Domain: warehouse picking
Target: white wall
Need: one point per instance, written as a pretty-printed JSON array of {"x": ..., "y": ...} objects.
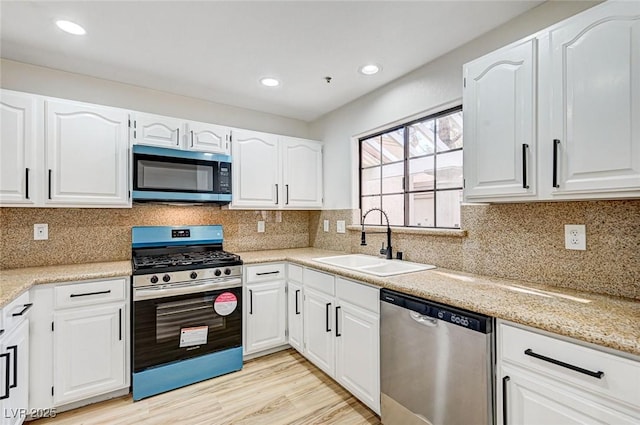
[
  {"x": 50, "y": 82},
  {"x": 430, "y": 88}
]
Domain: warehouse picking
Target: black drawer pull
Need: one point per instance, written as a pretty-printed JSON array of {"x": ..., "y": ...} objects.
[
  {"x": 297, "y": 309},
  {"x": 337, "y": 314},
  {"x": 90, "y": 293},
  {"x": 24, "y": 310},
  {"x": 505, "y": 408},
  {"x": 529, "y": 352},
  {"x": 265, "y": 273},
  {"x": 250, "y": 301},
  {"x": 327, "y": 307},
  {"x": 7, "y": 365},
  {"x": 14, "y": 348},
  {"x": 120, "y": 325}
]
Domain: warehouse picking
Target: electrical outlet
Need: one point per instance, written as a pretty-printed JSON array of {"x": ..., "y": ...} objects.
[
  {"x": 340, "y": 226},
  {"x": 326, "y": 225},
  {"x": 575, "y": 237},
  {"x": 40, "y": 232},
  {"x": 260, "y": 226}
]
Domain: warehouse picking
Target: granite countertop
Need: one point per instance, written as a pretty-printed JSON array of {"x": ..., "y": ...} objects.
[
  {"x": 599, "y": 319},
  {"x": 13, "y": 282}
]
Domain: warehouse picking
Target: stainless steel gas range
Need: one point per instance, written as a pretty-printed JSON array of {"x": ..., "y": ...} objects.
[{"x": 187, "y": 307}]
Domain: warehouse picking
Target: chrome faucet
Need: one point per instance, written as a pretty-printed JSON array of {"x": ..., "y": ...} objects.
[{"x": 363, "y": 241}]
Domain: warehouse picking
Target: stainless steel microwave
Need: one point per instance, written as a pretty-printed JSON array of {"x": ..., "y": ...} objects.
[{"x": 171, "y": 175}]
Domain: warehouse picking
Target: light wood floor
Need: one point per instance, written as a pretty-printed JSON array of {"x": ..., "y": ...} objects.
[{"x": 282, "y": 388}]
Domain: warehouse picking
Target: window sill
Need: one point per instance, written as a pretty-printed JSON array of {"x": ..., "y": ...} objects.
[{"x": 453, "y": 233}]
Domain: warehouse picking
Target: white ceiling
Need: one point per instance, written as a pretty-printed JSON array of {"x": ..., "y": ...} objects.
[{"x": 218, "y": 50}]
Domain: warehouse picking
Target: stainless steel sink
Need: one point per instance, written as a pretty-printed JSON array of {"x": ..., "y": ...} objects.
[{"x": 373, "y": 265}]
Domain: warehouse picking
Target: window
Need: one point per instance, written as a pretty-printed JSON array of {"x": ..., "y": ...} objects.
[{"x": 414, "y": 172}]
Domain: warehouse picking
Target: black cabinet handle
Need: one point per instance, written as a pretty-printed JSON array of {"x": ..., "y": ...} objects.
[
  {"x": 191, "y": 138},
  {"x": 525, "y": 148},
  {"x": 24, "y": 310},
  {"x": 505, "y": 409},
  {"x": 14, "y": 348},
  {"x": 178, "y": 136},
  {"x": 337, "y": 314},
  {"x": 286, "y": 201},
  {"x": 277, "y": 194},
  {"x": 90, "y": 293},
  {"x": 1, "y": 331},
  {"x": 250, "y": 301},
  {"x": 265, "y": 273},
  {"x": 6, "y": 380},
  {"x": 327, "y": 307},
  {"x": 49, "y": 183},
  {"x": 297, "y": 310},
  {"x": 120, "y": 325},
  {"x": 529, "y": 352},
  {"x": 556, "y": 143},
  {"x": 26, "y": 183}
]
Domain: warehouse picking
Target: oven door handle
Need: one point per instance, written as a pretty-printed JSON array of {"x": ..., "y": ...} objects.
[{"x": 146, "y": 293}]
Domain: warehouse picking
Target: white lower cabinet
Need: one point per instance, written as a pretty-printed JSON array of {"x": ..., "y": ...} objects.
[
  {"x": 80, "y": 342},
  {"x": 319, "y": 341},
  {"x": 265, "y": 308},
  {"x": 544, "y": 380},
  {"x": 14, "y": 360},
  {"x": 295, "y": 307}
]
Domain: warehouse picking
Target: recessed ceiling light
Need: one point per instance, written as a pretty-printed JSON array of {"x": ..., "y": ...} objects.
[
  {"x": 370, "y": 69},
  {"x": 71, "y": 27},
  {"x": 269, "y": 82}
]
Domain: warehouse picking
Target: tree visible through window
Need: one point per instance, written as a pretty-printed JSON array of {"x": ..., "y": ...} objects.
[{"x": 414, "y": 172}]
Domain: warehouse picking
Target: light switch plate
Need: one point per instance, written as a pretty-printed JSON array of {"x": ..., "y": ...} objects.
[
  {"x": 575, "y": 237},
  {"x": 40, "y": 232},
  {"x": 340, "y": 226},
  {"x": 326, "y": 225},
  {"x": 260, "y": 226}
]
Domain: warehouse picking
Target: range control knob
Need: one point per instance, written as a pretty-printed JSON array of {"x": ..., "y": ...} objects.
[
  {"x": 227, "y": 271},
  {"x": 193, "y": 275},
  {"x": 217, "y": 272},
  {"x": 154, "y": 279},
  {"x": 166, "y": 278}
]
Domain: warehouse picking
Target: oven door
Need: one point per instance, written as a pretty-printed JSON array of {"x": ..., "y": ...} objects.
[{"x": 170, "y": 328}]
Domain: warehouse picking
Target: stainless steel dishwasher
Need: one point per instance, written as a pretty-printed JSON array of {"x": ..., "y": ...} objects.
[{"x": 436, "y": 363}]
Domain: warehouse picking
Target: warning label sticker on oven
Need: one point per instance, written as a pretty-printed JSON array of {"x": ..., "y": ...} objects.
[
  {"x": 193, "y": 336},
  {"x": 225, "y": 304}
]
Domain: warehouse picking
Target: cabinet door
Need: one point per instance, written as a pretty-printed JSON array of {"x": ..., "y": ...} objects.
[
  {"x": 499, "y": 124},
  {"x": 86, "y": 155},
  {"x": 528, "y": 399},
  {"x": 590, "y": 69},
  {"x": 358, "y": 353},
  {"x": 301, "y": 173},
  {"x": 295, "y": 315},
  {"x": 266, "y": 316},
  {"x": 156, "y": 130},
  {"x": 208, "y": 137},
  {"x": 17, "y": 148},
  {"x": 318, "y": 330},
  {"x": 255, "y": 170},
  {"x": 89, "y": 352},
  {"x": 16, "y": 345}
]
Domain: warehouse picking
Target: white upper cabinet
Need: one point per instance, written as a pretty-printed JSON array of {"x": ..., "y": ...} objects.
[
  {"x": 274, "y": 172},
  {"x": 176, "y": 133},
  {"x": 156, "y": 130},
  {"x": 256, "y": 170},
  {"x": 591, "y": 86},
  {"x": 301, "y": 173},
  {"x": 208, "y": 137},
  {"x": 17, "y": 148},
  {"x": 86, "y": 154},
  {"x": 499, "y": 123},
  {"x": 582, "y": 139}
]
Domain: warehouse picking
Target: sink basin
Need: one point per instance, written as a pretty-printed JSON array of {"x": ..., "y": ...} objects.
[{"x": 373, "y": 265}]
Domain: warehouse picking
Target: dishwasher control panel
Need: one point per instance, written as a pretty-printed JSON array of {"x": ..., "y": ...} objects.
[{"x": 456, "y": 316}]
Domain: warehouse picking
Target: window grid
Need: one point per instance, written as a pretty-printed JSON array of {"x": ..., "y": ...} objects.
[{"x": 406, "y": 191}]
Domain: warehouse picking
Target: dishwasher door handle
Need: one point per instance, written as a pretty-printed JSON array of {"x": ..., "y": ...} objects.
[{"x": 422, "y": 319}]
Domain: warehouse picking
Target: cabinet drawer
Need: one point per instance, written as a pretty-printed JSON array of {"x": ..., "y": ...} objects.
[
  {"x": 265, "y": 272},
  {"x": 15, "y": 312},
  {"x": 619, "y": 378},
  {"x": 320, "y": 281},
  {"x": 294, "y": 273},
  {"x": 89, "y": 293},
  {"x": 358, "y": 294}
]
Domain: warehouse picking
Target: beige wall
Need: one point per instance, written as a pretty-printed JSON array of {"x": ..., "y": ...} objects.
[
  {"x": 94, "y": 235},
  {"x": 522, "y": 242}
]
